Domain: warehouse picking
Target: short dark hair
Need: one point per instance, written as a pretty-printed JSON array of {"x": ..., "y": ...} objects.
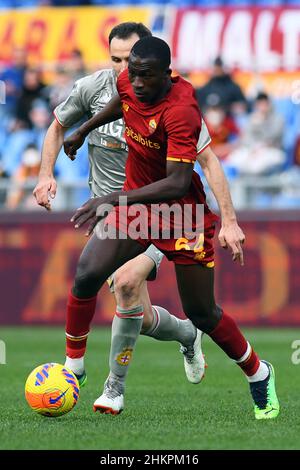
[
  {"x": 262, "y": 96},
  {"x": 76, "y": 53},
  {"x": 218, "y": 62},
  {"x": 125, "y": 30},
  {"x": 152, "y": 47}
]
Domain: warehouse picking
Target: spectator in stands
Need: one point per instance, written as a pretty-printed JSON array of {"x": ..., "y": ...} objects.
[
  {"x": 27, "y": 173},
  {"x": 3, "y": 174},
  {"x": 19, "y": 138},
  {"x": 297, "y": 152},
  {"x": 76, "y": 65},
  {"x": 40, "y": 118},
  {"x": 33, "y": 88},
  {"x": 221, "y": 90},
  {"x": 61, "y": 88},
  {"x": 13, "y": 77},
  {"x": 21, "y": 157},
  {"x": 222, "y": 129},
  {"x": 260, "y": 150}
]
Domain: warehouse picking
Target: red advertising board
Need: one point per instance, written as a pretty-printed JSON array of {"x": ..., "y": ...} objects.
[
  {"x": 249, "y": 38},
  {"x": 38, "y": 255}
]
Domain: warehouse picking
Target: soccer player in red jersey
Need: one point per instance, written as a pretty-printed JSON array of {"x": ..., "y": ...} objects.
[
  {"x": 163, "y": 123},
  {"x": 107, "y": 152}
]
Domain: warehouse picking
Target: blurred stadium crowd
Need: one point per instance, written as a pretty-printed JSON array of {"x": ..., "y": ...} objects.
[{"x": 257, "y": 138}]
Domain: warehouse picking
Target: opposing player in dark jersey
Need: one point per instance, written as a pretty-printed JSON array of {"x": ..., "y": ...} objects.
[
  {"x": 163, "y": 124},
  {"x": 107, "y": 151}
]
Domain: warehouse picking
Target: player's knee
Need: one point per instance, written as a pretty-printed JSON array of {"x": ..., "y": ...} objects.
[
  {"x": 87, "y": 280},
  {"x": 211, "y": 319},
  {"x": 214, "y": 318},
  {"x": 205, "y": 318},
  {"x": 127, "y": 285}
]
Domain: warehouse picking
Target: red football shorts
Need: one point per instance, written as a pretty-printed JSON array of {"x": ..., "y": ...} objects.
[{"x": 198, "y": 250}]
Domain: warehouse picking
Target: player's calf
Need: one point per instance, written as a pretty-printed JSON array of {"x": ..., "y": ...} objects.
[
  {"x": 260, "y": 374},
  {"x": 167, "y": 327},
  {"x": 80, "y": 313}
]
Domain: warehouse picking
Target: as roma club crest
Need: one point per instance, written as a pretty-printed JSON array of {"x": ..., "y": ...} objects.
[{"x": 152, "y": 125}]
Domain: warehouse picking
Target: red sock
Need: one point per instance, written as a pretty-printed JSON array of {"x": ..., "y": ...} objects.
[
  {"x": 228, "y": 337},
  {"x": 80, "y": 313},
  {"x": 251, "y": 363}
]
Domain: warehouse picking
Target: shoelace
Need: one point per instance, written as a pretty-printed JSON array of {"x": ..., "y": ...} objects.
[
  {"x": 259, "y": 392},
  {"x": 188, "y": 352},
  {"x": 113, "y": 388}
]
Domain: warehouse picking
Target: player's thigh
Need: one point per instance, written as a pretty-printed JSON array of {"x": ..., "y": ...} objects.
[
  {"x": 103, "y": 256},
  {"x": 196, "y": 288},
  {"x": 134, "y": 271}
]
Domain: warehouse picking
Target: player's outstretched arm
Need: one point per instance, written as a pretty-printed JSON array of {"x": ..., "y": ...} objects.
[
  {"x": 231, "y": 235},
  {"x": 174, "y": 186},
  {"x": 46, "y": 185},
  {"x": 111, "y": 112}
]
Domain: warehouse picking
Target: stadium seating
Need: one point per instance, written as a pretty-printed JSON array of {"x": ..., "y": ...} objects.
[{"x": 291, "y": 114}]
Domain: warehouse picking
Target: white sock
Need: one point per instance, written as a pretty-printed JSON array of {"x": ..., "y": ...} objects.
[
  {"x": 76, "y": 365},
  {"x": 261, "y": 373}
]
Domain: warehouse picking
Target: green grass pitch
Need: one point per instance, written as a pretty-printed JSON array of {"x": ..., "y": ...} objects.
[{"x": 162, "y": 410}]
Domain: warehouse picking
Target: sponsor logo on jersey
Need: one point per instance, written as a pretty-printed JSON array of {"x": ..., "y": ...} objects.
[
  {"x": 142, "y": 140},
  {"x": 125, "y": 107}
]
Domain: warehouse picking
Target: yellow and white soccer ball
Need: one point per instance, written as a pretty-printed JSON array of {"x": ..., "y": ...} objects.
[{"x": 51, "y": 389}]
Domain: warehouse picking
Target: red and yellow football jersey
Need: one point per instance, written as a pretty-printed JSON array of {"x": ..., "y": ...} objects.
[
  {"x": 155, "y": 133},
  {"x": 167, "y": 130}
]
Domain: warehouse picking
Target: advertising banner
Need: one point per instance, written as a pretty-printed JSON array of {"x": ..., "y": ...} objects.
[
  {"x": 259, "y": 39},
  {"x": 39, "y": 253},
  {"x": 50, "y": 34}
]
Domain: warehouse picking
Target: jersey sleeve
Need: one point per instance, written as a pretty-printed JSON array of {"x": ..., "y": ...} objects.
[
  {"x": 183, "y": 125},
  {"x": 204, "y": 138},
  {"x": 70, "y": 111}
]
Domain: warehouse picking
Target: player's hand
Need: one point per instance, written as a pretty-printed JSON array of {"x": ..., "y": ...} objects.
[
  {"x": 231, "y": 236},
  {"x": 44, "y": 190},
  {"x": 88, "y": 212},
  {"x": 73, "y": 143}
]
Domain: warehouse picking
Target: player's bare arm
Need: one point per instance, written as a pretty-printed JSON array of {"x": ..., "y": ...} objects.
[
  {"x": 111, "y": 112},
  {"x": 231, "y": 235},
  {"x": 174, "y": 186},
  {"x": 46, "y": 186}
]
